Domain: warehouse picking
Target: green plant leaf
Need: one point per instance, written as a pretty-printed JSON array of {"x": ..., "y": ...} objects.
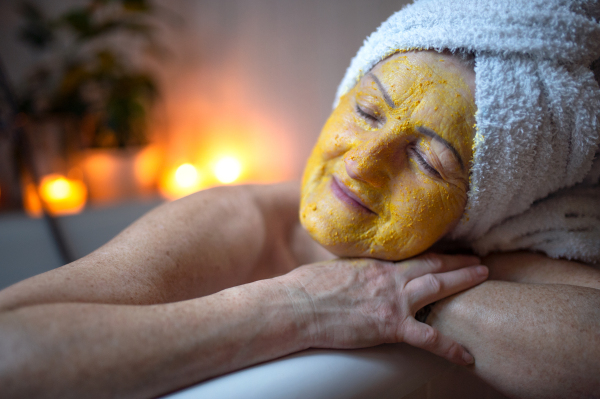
[
  {"x": 136, "y": 5},
  {"x": 95, "y": 85},
  {"x": 80, "y": 21}
]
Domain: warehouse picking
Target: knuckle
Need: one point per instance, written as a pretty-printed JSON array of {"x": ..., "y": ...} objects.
[
  {"x": 431, "y": 337},
  {"x": 433, "y": 283}
]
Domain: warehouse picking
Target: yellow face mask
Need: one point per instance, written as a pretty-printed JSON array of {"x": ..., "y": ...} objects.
[{"x": 388, "y": 176}]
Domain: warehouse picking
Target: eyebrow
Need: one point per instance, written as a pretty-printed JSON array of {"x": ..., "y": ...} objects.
[
  {"x": 386, "y": 96},
  {"x": 431, "y": 134}
]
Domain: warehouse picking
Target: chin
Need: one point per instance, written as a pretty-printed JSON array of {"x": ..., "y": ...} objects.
[
  {"x": 343, "y": 247},
  {"x": 344, "y": 251}
]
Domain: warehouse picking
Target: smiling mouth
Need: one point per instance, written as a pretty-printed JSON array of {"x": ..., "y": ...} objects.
[{"x": 344, "y": 194}]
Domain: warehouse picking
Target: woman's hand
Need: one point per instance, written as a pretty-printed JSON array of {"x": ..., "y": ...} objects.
[{"x": 365, "y": 302}]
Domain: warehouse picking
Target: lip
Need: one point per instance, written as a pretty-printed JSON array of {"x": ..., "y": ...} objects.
[{"x": 344, "y": 194}]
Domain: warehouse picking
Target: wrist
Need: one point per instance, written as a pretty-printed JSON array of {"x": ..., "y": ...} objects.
[
  {"x": 284, "y": 316},
  {"x": 242, "y": 326},
  {"x": 299, "y": 310}
]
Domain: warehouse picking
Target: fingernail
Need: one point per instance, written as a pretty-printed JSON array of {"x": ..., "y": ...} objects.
[
  {"x": 467, "y": 357},
  {"x": 481, "y": 270}
]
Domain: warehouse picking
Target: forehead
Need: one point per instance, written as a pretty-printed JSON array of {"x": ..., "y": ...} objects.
[
  {"x": 429, "y": 74},
  {"x": 427, "y": 62}
]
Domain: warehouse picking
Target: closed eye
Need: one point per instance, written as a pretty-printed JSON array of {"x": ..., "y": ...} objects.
[
  {"x": 420, "y": 159},
  {"x": 371, "y": 119}
]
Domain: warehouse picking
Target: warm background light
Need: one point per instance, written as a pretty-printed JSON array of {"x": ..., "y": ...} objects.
[
  {"x": 186, "y": 175},
  {"x": 114, "y": 175},
  {"x": 227, "y": 170},
  {"x": 180, "y": 181},
  {"x": 55, "y": 189},
  {"x": 61, "y": 195},
  {"x": 224, "y": 92},
  {"x": 31, "y": 200}
]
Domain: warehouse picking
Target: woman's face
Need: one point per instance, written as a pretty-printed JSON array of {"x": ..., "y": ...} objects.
[{"x": 389, "y": 174}]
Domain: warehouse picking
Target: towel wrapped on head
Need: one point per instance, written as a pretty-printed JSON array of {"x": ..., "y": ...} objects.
[{"x": 535, "y": 172}]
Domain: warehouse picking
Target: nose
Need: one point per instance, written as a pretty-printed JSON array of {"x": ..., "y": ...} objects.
[{"x": 374, "y": 160}]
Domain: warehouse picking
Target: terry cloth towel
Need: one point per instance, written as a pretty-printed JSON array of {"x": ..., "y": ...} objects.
[{"x": 537, "y": 127}]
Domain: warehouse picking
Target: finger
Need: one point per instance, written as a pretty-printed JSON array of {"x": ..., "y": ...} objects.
[
  {"x": 435, "y": 263},
  {"x": 435, "y": 286},
  {"x": 428, "y": 338}
]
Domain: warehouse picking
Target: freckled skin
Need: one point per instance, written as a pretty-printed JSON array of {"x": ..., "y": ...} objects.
[{"x": 379, "y": 158}]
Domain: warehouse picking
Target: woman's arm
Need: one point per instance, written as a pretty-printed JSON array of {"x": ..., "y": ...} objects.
[
  {"x": 142, "y": 316},
  {"x": 192, "y": 247},
  {"x": 535, "y": 330},
  {"x": 94, "y": 350},
  {"x": 100, "y": 350},
  {"x": 74, "y": 328}
]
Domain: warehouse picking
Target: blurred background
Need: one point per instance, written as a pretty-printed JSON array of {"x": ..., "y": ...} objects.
[{"x": 109, "y": 107}]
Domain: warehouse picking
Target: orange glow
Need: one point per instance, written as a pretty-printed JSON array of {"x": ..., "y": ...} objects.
[
  {"x": 203, "y": 130},
  {"x": 114, "y": 174},
  {"x": 227, "y": 170},
  {"x": 31, "y": 201},
  {"x": 147, "y": 165},
  {"x": 180, "y": 182},
  {"x": 62, "y": 196},
  {"x": 55, "y": 189},
  {"x": 186, "y": 175}
]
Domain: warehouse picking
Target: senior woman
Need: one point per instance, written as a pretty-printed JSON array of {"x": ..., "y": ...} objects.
[{"x": 212, "y": 283}]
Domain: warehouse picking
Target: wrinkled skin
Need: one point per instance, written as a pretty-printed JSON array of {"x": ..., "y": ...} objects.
[{"x": 388, "y": 176}]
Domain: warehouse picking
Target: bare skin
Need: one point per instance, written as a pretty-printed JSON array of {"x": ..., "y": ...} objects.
[
  {"x": 533, "y": 328},
  {"x": 377, "y": 150},
  {"x": 184, "y": 294},
  {"x": 387, "y": 177},
  {"x": 140, "y": 316},
  {"x": 211, "y": 284}
]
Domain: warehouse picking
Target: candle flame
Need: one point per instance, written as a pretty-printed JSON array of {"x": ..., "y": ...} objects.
[
  {"x": 186, "y": 175},
  {"x": 227, "y": 170},
  {"x": 55, "y": 189},
  {"x": 182, "y": 181},
  {"x": 62, "y": 196}
]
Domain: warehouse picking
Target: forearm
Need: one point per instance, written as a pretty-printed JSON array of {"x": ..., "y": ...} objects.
[
  {"x": 74, "y": 350},
  {"x": 529, "y": 340},
  {"x": 195, "y": 246}
]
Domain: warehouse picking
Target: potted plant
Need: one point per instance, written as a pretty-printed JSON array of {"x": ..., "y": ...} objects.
[{"x": 89, "y": 99}]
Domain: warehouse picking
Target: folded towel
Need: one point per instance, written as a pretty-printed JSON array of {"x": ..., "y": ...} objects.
[{"x": 537, "y": 115}]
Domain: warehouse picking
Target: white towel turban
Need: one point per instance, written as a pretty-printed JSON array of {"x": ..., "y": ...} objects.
[{"x": 534, "y": 181}]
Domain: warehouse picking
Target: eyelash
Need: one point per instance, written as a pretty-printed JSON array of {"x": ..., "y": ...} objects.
[
  {"x": 420, "y": 159},
  {"x": 366, "y": 116}
]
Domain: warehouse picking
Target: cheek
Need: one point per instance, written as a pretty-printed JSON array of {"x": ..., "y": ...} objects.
[
  {"x": 329, "y": 223},
  {"x": 436, "y": 210},
  {"x": 338, "y": 134},
  {"x": 418, "y": 217},
  {"x": 335, "y": 140}
]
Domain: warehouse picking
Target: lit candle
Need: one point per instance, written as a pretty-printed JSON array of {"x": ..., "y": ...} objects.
[
  {"x": 180, "y": 182},
  {"x": 62, "y": 196},
  {"x": 227, "y": 170}
]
